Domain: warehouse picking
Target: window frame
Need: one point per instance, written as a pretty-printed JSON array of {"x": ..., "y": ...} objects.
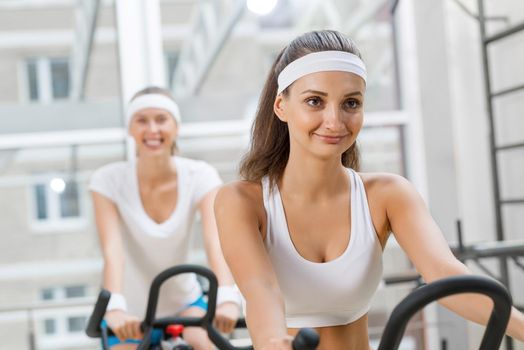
[
  {"x": 54, "y": 223},
  {"x": 63, "y": 318},
  {"x": 44, "y": 78}
]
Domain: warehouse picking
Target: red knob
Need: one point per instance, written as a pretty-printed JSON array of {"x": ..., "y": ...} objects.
[{"x": 175, "y": 330}]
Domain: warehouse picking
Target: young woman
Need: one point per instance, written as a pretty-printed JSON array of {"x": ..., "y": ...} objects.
[
  {"x": 144, "y": 210},
  {"x": 303, "y": 233}
]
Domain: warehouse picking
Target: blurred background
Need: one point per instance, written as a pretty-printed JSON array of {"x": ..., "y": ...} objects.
[{"x": 443, "y": 108}]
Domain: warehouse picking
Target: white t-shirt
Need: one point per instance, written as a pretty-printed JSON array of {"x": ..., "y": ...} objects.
[{"x": 151, "y": 247}]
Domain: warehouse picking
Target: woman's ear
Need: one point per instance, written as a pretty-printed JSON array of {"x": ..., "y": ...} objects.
[{"x": 279, "y": 108}]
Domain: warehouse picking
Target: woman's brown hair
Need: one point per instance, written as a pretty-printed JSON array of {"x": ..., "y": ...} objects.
[{"x": 269, "y": 148}]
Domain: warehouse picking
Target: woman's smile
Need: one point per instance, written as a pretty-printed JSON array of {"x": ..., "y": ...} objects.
[
  {"x": 153, "y": 143},
  {"x": 330, "y": 139}
]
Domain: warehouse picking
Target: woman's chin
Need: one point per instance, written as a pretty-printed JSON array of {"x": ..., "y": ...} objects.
[
  {"x": 153, "y": 151},
  {"x": 331, "y": 152}
]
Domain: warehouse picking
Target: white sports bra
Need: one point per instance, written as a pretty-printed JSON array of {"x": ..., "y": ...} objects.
[{"x": 338, "y": 291}]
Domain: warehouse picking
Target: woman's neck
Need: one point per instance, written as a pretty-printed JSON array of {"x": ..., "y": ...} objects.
[
  {"x": 156, "y": 169},
  {"x": 313, "y": 178}
]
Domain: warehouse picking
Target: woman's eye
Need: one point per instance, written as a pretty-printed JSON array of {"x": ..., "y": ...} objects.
[
  {"x": 313, "y": 101},
  {"x": 352, "y": 104}
]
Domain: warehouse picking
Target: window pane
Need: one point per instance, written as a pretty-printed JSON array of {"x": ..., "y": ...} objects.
[
  {"x": 75, "y": 291},
  {"x": 47, "y": 294},
  {"x": 69, "y": 201},
  {"x": 41, "y": 201},
  {"x": 60, "y": 78},
  {"x": 76, "y": 324},
  {"x": 172, "y": 59},
  {"x": 32, "y": 80},
  {"x": 49, "y": 326}
]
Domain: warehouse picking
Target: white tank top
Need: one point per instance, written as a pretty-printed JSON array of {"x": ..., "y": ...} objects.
[
  {"x": 338, "y": 291},
  {"x": 151, "y": 247}
]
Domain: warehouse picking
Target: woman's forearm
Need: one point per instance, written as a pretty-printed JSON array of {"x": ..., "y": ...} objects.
[
  {"x": 265, "y": 317},
  {"x": 215, "y": 256},
  {"x": 471, "y": 306},
  {"x": 516, "y": 325},
  {"x": 110, "y": 239},
  {"x": 477, "y": 308},
  {"x": 212, "y": 246},
  {"x": 113, "y": 275}
]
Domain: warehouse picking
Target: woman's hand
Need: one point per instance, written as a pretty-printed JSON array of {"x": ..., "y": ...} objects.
[
  {"x": 284, "y": 343},
  {"x": 124, "y": 325},
  {"x": 226, "y": 317}
]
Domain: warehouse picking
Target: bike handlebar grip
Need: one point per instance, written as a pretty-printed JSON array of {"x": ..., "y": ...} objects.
[
  {"x": 177, "y": 270},
  {"x": 495, "y": 329},
  {"x": 306, "y": 339},
  {"x": 93, "y": 325},
  {"x": 146, "y": 341}
]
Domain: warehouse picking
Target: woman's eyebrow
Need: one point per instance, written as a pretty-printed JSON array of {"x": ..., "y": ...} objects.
[
  {"x": 354, "y": 93},
  {"x": 314, "y": 92}
]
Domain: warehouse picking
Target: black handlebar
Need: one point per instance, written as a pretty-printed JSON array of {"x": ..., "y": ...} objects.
[
  {"x": 306, "y": 339},
  {"x": 204, "y": 321},
  {"x": 93, "y": 329},
  {"x": 419, "y": 298}
]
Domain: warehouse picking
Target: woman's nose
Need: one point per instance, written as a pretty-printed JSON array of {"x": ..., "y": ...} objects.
[
  {"x": 153, "y": 125},
  {"x": 333, "y": 117}
]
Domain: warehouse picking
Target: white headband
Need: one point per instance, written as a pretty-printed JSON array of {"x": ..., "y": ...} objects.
[
  {"x": 153, "y": 101},
  {"x": 322, "y": 61}
]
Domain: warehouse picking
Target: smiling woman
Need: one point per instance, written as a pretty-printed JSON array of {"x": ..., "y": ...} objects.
[
  {"x": 144, "y": 210},
  {"x": 153, "y": 120},
  {"x": 303, "y": 233}
]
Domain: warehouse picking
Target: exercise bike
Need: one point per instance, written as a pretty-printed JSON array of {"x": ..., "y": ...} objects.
[
  {"x": 306, "y": 339},
  {"x": 495, "y": 329}
]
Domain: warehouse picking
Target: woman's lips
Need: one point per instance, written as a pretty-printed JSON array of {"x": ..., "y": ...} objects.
[
  {"x": 331, "y": 139},
  {"x": 153, "y": 143}
]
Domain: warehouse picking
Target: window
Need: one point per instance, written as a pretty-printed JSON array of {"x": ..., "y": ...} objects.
[
  {"x": 49, "y": 326},
  {"x": 47, "y": 294},
  {"x": 56, "y": 202},
  {"x": 75, "y": 292},
  {"x": 47, "y": 79},
  {"x": 76, "y": 324},
  {"x": 61, "y": 323},
  {"x": 41, "y": 201},
  {"x": 60, "y": 78},
  {"x": 69, "y": 201},
  {"x": 60, "y": 293},
  {"x": 171, "y": 61}
]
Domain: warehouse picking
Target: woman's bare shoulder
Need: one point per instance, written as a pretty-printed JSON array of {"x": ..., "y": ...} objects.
[
  {"x": 241, "y": 193},
  {"x": 383, "y": 181},
  {"x": 240, "y": 205},
  {"x": 389, "y": 189}
]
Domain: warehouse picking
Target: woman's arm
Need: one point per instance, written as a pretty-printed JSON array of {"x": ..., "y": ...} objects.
[
  {"x": 421, "y": 239},
  {"x": 228, "y": 311},
  {"x": 244, "y": 251},
  {"x": 108, "y": 226},
  {"x": 211, "y": 240}
]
